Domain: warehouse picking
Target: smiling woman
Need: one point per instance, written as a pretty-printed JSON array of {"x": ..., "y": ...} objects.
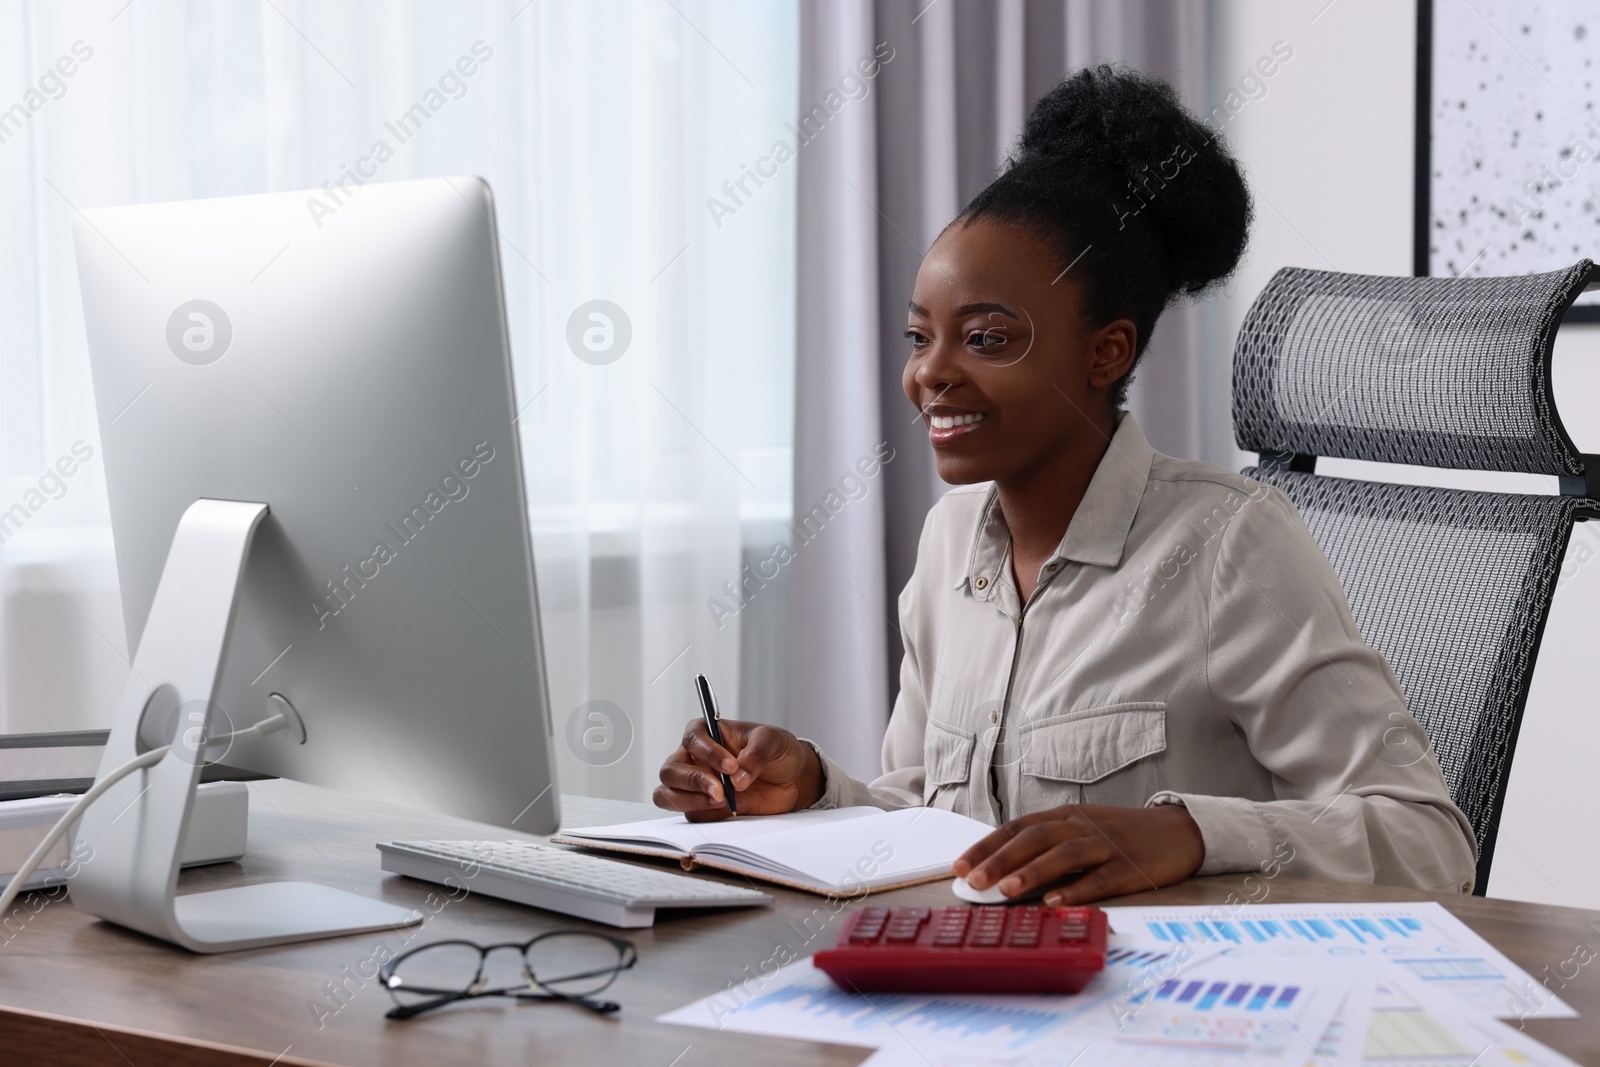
[{"x": 1226, "y": 725}]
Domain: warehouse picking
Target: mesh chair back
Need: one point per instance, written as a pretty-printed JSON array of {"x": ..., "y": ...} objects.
[{"x": 1453, "y": 587}]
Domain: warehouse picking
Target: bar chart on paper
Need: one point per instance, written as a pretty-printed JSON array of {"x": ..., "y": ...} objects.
[
  {"x": 1241, "y": 996},
  {"x": 1422, "y": 940},
  {"x": 1261, "y": 1009},
  {"x": 1219, "y": 1013},
  {"x": 800, "y": 1001},
  {"x": 1363, "y": 930}
]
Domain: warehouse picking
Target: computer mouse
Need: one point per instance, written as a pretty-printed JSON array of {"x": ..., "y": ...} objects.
[{"x": 992, "y": 895}]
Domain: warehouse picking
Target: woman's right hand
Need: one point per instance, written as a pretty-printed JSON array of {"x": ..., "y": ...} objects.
[{"x": 772, "y": 771}]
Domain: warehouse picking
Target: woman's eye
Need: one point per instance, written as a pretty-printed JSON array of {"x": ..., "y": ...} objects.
[
  {"x": 987, "y": 339},
  {"x": 917, "y": 339}
]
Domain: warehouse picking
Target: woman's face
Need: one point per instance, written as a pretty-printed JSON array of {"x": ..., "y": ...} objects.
[{"x": 1007, "y": 376}]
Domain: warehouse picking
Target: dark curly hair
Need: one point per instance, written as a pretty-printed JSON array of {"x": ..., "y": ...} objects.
[{"x": 1135, "y": 196}]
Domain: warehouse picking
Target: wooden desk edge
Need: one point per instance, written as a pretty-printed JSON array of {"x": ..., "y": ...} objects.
[{"x": 66, "y": 1042}]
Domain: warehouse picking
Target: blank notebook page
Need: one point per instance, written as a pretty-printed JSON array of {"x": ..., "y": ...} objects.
[
  {"x": 678, "y": 832},
  {"x": 887, "y": 847}
]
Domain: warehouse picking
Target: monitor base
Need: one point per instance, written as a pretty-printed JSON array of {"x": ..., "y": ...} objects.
[
  {"x": 277, "y": 913},
  {"x": 130, "y": 842}
]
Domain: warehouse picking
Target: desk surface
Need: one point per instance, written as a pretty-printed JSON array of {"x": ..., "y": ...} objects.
[{"x": 74, "y": 990}]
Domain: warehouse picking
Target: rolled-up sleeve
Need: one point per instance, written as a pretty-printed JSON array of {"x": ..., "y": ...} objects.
[{"x": 1360, "y": 796}]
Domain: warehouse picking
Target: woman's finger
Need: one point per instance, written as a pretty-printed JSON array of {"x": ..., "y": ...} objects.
[
  {"x": 691, "y": 804},
  {"x": 688, "y": 778},
  {"x": 1074, "y": 854},
  {"x": 1112, "y": 878},
  {"x": 700, "y": 748},
  {"x": 997, "y": 839},
  {"x": 1026, "y": 843},
  {"x": 757, "y": 752},
  {"x": 988, "y": 846}
]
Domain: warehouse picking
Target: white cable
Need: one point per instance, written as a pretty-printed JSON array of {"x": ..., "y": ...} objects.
[{"x": 149, "y": 759}]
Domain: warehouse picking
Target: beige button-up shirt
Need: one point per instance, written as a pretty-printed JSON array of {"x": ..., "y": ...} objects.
[{"x": 1188, "y": 643}]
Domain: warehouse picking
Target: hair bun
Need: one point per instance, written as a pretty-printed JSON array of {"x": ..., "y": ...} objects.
[{"x": 1165, "y": 166}]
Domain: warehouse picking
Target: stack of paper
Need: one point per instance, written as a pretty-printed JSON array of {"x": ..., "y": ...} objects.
[{"x": 1259, "y": 985}]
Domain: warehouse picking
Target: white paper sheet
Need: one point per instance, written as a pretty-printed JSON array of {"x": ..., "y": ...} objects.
[{"x": 1246, "y": 1013}]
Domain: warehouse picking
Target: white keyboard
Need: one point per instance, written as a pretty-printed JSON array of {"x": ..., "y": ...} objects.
[{"x": 561, "y": 879}]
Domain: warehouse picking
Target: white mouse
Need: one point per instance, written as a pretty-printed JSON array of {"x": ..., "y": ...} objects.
[{"x": 992, "y": 895}]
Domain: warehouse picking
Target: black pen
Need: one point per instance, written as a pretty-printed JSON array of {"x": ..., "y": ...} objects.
[{"x": 708, "y": 709}]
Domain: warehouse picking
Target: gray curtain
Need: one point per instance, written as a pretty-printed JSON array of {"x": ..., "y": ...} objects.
[{"x": 896, "y": 153}]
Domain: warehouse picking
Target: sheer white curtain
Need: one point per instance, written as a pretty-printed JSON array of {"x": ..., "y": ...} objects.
[{"x": 606, "y": 130}]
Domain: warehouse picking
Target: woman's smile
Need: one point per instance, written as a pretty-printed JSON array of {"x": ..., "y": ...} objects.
[{"x": 948, "y": 424}]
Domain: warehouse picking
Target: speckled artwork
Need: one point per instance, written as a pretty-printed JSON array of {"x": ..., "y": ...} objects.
[{"x": 1515, "y": 183}]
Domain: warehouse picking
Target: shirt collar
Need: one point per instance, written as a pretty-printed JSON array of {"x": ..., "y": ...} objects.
[{"x": 1099, "y": 528}]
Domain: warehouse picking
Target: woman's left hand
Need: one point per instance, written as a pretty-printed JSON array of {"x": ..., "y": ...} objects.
[{"x": 1120, "y": 850}]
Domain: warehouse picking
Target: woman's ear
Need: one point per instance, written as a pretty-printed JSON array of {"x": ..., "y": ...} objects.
[{"x": 1113, "y": 349}]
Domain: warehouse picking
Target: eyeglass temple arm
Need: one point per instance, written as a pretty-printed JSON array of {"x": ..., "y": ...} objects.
[
  {"x": 410, "y": 1011},
  {"x": 604, "y": 1007},
  {"x": 407, "y": 1011}
]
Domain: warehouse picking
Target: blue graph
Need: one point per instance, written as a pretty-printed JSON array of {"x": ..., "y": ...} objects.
[
  {"x": 1203, "y": 997},
  {"x": 827, "y": 1002},
  {"x": 979, "y": 1020},
  {"x": 907, "y": 1014},
  {"x": 1451, "y": 970},
  {"x": 1317, "y": 931}
]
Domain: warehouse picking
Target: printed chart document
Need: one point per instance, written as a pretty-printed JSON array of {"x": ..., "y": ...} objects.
[
  {"x": 1251, "y": 1013},
  {"x": 1412, "y": 1023},
  {"x": 1407, "y": 1026},
  {"x": 839, "y": 851},
  {"x": 1420, "y": 940}
]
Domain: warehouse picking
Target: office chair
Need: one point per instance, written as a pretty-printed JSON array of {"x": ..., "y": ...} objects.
[{"x": 1452, "y": 586}]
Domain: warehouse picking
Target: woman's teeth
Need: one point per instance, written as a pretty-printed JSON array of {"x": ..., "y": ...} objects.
[{"x": 950, "y": 422}]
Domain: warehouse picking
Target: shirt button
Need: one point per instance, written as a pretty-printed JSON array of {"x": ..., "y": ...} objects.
[
  {"x": 1049, "y": 566},
  {"x": 994, "y": 716},
  {"x": 982, "y": 583},
  {"x": 1466, "y": 887}
]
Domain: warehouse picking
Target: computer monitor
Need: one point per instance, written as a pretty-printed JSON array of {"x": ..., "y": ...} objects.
[{"x": 309, "y": 431}]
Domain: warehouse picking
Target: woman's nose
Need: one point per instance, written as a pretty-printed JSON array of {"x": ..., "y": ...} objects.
[{"x": 938, "y": 369}]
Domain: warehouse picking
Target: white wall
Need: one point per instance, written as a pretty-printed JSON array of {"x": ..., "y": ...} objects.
[{"x": 1328, "y": 148}]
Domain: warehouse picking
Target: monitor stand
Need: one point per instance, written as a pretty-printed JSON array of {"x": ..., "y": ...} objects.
[{"x": 136, "y": 829}]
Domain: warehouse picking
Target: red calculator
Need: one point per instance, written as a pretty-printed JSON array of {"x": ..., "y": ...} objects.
[{"x": 1021, "y": 949}]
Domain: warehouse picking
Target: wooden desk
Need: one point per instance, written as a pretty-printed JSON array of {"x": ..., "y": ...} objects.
[{"x": 74, "y": 990}]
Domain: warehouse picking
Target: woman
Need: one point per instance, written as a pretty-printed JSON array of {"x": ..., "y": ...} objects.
[{"x": 1137, "y": 667}]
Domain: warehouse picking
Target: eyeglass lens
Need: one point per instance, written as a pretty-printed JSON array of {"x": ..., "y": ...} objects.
[{"x": 571, "y": 963}]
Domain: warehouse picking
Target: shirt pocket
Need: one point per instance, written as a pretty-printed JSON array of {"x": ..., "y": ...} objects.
[
  {"x": 947, "y": 762},
  {"x": 1087, "y": 745}
]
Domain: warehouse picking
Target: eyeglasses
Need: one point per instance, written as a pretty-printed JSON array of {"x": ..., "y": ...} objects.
[{"x": 569, "y": 965}]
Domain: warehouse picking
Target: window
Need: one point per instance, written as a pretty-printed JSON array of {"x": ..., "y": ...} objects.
[{"x": 606, "y": 129}]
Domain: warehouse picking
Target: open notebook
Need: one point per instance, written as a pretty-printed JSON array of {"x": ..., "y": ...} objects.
[{"x": 839, "y": 851}]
